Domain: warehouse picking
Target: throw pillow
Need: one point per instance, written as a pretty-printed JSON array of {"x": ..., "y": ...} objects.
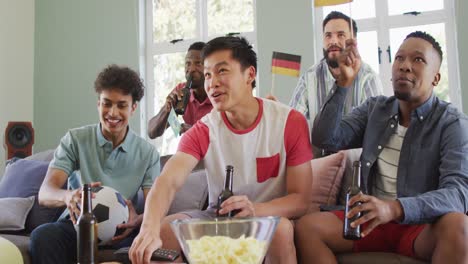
[
  {"x": 23, "y": 178},
  {"x": 14, "y": 212},
  {"x": 327, "y": 173},
  {"x": 192, "y": 195}
]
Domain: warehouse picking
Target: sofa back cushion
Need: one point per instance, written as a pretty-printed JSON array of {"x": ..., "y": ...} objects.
[
  {"x": 23, "y": 178},
  {"x": 327, "y": 173},
  {"x": 194, "y": 192},
  {"x": 192, "y": 195}
]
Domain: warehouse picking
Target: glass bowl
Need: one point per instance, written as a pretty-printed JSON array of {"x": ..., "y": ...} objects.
[{"x": 225, "y": 240}]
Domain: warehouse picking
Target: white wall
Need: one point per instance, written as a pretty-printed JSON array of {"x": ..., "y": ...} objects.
[
  {"x": 461, "y": 7},
  {"x": 75, "y": 40},
  {"x": 16, "y": 65},
  {"x": 284, "y": 26}
]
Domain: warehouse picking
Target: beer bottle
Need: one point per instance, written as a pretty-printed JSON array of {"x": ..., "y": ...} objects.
[
  {"x": 87, "y": 230},
  {"x": 227, "y": 192},
  {"x": 181, "y": 104},
  {"x": 354, "y": 189}
]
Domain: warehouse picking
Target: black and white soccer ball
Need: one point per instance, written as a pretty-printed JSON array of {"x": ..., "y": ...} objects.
[{"x": 110, "y": 210}]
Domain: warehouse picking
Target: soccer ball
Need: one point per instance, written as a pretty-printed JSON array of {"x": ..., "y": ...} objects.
[{"x": 110, "y": 210}]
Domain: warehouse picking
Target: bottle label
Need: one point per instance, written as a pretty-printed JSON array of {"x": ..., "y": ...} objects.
[{"x": 174, "y": 122}]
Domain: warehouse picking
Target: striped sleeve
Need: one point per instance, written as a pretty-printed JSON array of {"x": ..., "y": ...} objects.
[
  {"x": 370, "y": 85},
  {"x": 299, "y": 100}
]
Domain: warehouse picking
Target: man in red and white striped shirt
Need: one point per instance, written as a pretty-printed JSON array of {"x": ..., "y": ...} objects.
[{"x": 266, "y": 142}]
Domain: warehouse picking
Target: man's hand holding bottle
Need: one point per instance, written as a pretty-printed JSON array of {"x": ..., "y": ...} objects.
[
  {"x": 377, "y": 211},
  {"x": 172, "y": 99},
  {"x": 240, "y": 205}
]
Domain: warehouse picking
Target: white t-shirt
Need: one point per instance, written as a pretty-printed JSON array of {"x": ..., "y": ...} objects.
[
  {"x": 278, "y": 138},
  {"x": 387, "y": 166}
]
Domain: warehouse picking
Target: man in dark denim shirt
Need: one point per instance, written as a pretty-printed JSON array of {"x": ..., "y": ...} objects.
[{"x": 415, "y": 206}]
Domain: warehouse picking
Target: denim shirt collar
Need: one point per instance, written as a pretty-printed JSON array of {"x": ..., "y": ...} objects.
[
  {"x": 423, "y": 110},
  {"x": 125, "y": 144},
  {"x": 394, "y": 110},
  {"x": 419, "y": 113}
]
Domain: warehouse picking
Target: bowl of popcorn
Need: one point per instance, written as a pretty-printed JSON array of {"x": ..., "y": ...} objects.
[{"x": 225, "y": 240}]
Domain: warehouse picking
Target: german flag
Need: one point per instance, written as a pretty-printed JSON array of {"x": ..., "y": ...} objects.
[
  {"x": 318, "y": 3},
  {"x": 286, "y": 64}
]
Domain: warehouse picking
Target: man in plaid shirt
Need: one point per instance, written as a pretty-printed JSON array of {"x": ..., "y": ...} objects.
[{"x": 315, "y": 84}]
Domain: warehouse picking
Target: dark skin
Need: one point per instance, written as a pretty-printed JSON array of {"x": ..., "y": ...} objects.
[
  {"x": 414, "y": 76},
  {"x": 194, "y": 68},
  {"x": 415, "y": 72},
  {"x": 378, "y": 211},
  {"x": 413, "y": 80}
]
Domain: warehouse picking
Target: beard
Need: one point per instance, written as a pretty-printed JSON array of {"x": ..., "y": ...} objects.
[
  {"x": 197, "y": 80},
  {"x": 197, "y": 84},
  {"x": 332, "y": 62},
  {"x": 402, "y": 96}
]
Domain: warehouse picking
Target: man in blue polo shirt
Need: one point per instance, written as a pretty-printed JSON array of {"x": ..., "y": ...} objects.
[{"x": 108, "y": 153}]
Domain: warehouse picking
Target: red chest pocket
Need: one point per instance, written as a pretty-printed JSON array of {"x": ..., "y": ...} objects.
[{"x": 267, "y": 167}]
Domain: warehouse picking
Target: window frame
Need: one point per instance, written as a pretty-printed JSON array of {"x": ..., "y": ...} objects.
[{"x": 148, "y": 49}]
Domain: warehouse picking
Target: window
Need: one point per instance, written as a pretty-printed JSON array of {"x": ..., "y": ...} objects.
[
  {"x": 384, "y": 24},
  {"x": 170, "y": 28}
]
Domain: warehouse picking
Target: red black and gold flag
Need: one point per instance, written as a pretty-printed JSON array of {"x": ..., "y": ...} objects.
[
  {"x": 286, "y": 64},
  {"x": 318, "y": 3}
]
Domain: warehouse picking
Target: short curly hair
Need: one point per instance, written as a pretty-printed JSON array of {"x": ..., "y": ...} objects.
[
  {"x": 122, "y": 78},
  {"x": 197, "y": 46},
  {"x": 427, "y": 37}
]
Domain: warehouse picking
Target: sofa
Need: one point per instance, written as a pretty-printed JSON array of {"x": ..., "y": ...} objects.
[{"x": 22, "y": 180}]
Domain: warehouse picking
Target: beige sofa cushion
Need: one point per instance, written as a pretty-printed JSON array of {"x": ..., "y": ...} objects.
[
  {"x": 193, "y": 194},
  {"x": 327, "y": 173}
]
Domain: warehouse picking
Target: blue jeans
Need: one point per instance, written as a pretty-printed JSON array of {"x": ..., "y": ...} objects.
[{"x": 56, "y": 243}]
